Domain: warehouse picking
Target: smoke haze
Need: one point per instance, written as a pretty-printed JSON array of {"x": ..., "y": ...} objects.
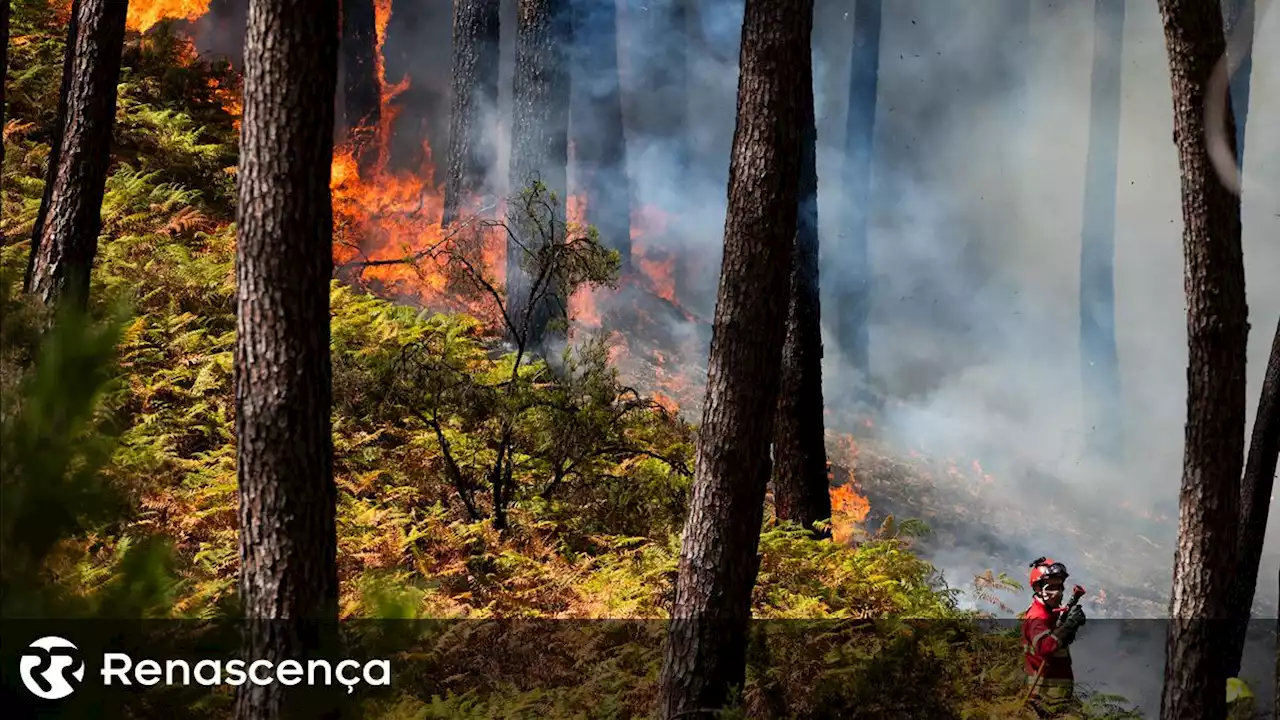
[{"x": 976, "y": 200}]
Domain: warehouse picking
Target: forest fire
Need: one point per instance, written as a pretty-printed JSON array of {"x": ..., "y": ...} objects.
[
  {"x": 144, "y": 14},
  {"x": 387, "y": 223},
  {"x": 389, "y": 237}
]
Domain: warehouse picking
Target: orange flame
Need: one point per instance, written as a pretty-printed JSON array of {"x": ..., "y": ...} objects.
[
  {"x": 144, "y": 14},
  {"x": 654, "y": 264},
  {"x": 848, "y": 509},
  {"x": 387, "y": 226},
  {"x": 231, "y": 101},
  {"x": 584, "y": 307}
]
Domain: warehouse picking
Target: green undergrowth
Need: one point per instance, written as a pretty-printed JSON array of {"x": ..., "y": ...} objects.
[{"x": 120, "y": 483}]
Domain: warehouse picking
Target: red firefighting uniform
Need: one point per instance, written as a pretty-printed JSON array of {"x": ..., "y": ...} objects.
[{"x": 1056, "y": 685}]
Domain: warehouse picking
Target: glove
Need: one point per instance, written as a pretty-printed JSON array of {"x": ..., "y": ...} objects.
[
  {"x": 1065, "y": 633},
  {"x": 1076, "y": 617}
]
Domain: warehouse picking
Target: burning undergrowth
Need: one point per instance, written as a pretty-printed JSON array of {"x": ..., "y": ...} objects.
[{"x": 390, "y": 240}]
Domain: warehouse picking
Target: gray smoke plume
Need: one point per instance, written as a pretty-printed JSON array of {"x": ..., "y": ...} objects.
[{"x": 976, "y": 201}]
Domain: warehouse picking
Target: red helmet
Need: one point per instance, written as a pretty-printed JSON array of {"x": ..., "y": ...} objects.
[{"x": 1043, "y": 569}]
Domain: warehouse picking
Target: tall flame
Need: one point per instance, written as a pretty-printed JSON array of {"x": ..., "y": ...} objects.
[
  {"x": 387, "y": 222},
  {"x": 143, "y": 14}
]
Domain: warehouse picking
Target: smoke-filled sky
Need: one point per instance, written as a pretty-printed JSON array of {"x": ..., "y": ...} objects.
[
  {"x": 976, "y": 207},
  {"x": 981, "y": 135},
  {"x": 1008, "y": 187}
]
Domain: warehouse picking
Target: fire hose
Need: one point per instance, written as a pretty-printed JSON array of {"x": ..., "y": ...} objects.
[{"x": 1077, "y": 592}]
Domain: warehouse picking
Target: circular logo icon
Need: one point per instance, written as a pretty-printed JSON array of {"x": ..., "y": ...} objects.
[{"x": 52, "y": 668}]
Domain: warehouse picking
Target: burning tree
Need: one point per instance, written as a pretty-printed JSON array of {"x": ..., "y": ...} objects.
[
  {"x": 510, "y": 426},
  {"x": 361, "y": 70}
]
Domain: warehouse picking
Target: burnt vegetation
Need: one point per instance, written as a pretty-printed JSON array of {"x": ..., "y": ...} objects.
[{"x": 253, "y": 367}]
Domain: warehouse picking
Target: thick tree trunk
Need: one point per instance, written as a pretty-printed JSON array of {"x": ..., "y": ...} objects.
[
  {"x": 476, "y": 25},
  {"x": 1099, "y": 362},
  {"x": 55, "y": 143},
  {"x": 361, "y": 86},
  {"x": 706, "y": 649},
  {"x": 599, "y": 141},
  {"x": 1217, "y": 334},
  {"x": 4, "y": 73},
  {"x": 539, "y": 148},
  {"x": 68, "y": 235},
  {"x": 284, "y": 260},
  {"x": 853, "y": 295},
  {"x": 1255, "y": 505},
  {"x": 800, "y": 487},
  {"x": 1238, "y": 17}
]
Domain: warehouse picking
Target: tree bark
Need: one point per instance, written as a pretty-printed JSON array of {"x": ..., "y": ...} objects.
[
  {"x": 800, "y": 488},
  {"x": 1255, "y": 505},
  {"x": 539, "y": 145},
  {"x": 55, "y": 142},
  {"x": 1217, "y": 334},
  {"x": 63, "y": 257},
  {"x": 1099, "y": 361},
  {"x": 476, "y": 25},
  {"x": 706, "y": 648},
  {"x": 599, "y": 140},
  {"x": 284, "y": 261},
  {"x": 361, "y": 86},
  {"x": 853, "y": 297},
  {"x": 4, "y": 73}
]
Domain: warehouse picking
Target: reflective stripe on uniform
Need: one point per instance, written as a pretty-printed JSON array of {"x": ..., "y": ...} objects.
[
  {"x": 1035, "y": 641},
  {"x": 1051, "y": 682}
]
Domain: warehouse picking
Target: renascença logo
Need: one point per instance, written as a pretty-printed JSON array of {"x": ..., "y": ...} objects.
[
  {"x": 51, "y": 663},
  {"x": 48, "y": 667}
]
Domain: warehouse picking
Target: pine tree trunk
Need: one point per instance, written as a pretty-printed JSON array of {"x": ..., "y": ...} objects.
[
  {"x": 63, "y": 257},
  {"x": 706, "y": 649},
  {"x": 1099, "y": 361},
  {"x": 853, "y": 295},
  {"x": 284, "y": 260},
  {"x": 1217, "y": 334},
  {"x": 800, "y": 487},
  {"x": 476, "y": 25},
  {"x": 362, "y": 88},
  {"x": 1255, "y": 505},
  {"x": 539, "y": 149},
  {"x": 599, "y": 140},
  {"x": 55, "y": 142},
  {"x": 4, "y": 73}
]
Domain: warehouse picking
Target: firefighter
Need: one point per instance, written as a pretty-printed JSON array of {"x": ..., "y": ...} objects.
[{"x": 1048, "y": 629}]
